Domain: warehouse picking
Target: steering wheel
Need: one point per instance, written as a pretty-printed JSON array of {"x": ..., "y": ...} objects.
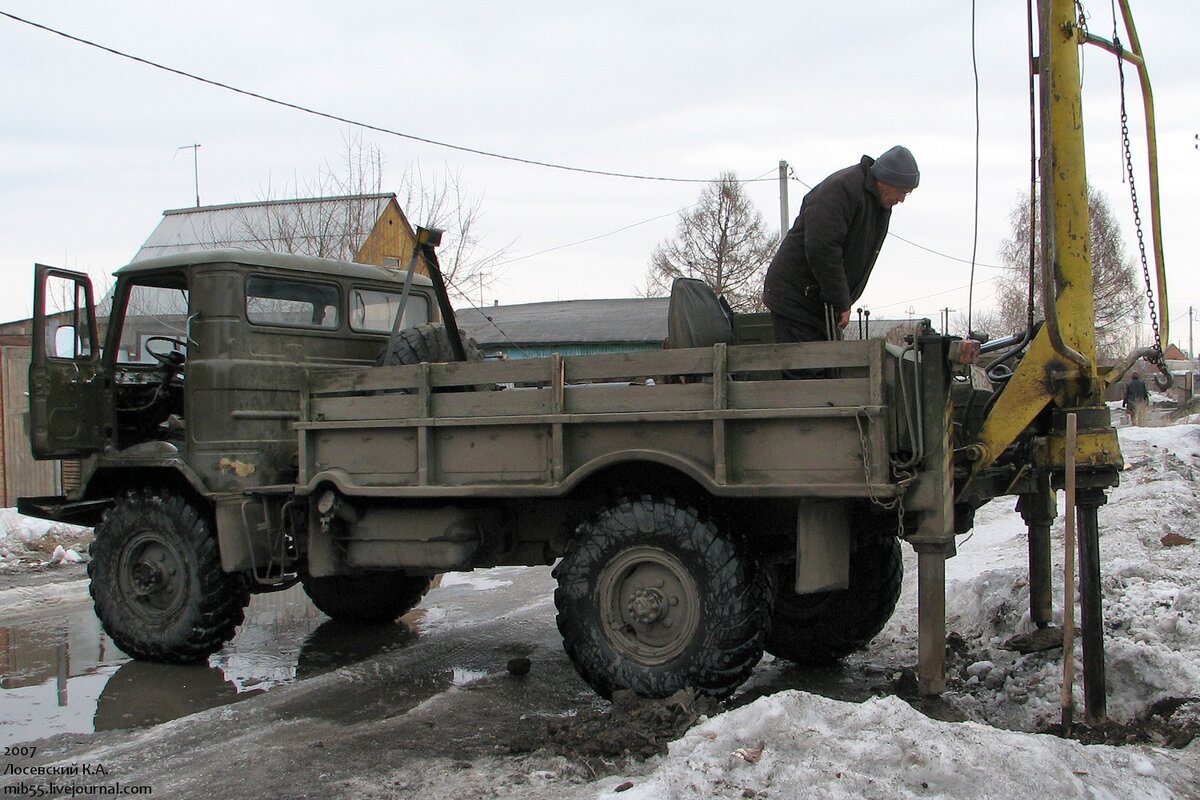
[{"x": 172, "y": 359}]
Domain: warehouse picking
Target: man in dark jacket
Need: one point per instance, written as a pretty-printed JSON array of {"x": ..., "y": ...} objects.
[
  {"x": 823, "y": 264},
  {"x": 1137, "y": 400}
]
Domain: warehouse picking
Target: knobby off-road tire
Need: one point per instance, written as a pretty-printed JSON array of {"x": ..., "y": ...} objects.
[
  {"x": 157, "y": 582},
  {"x": 825, "y": 626},
  {"x": 425, "y": 343},
  {"x": 368, "y": 597},
  {"x": 652, "y": 596}
]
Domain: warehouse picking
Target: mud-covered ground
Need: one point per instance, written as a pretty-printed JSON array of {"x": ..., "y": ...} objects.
[
  {"x": 477, "y": 699},
  {"x": 473, "y": 696}
]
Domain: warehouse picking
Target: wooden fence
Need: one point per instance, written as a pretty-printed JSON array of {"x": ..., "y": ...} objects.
[{"x": 20, "y": 474}]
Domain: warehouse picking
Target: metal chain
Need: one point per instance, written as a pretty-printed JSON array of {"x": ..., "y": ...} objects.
[
  {"x": 1157, "y": 358},
  {"x": 904, "y": 477}
]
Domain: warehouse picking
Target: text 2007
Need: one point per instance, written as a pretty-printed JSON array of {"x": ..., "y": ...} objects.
[{"x": 19, "y": 751}]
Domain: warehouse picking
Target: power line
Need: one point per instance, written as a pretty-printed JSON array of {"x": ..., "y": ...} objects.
[
  {"x": 945, "y": 255},
  {"x": 614, "y": 232},
  {"x": 935, "y": 294},
  {"x": 347, "y": 120},
  {"x": 425, "y": 140},
  {"x": 593, "y": 238}
]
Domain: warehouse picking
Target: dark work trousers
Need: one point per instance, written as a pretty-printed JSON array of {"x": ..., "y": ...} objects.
[{"x": 791, "y": 330}]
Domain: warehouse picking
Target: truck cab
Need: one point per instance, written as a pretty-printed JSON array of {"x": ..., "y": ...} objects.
[
  {"x": 201, "y": 361},
  {"x": 180, "y": 402}
]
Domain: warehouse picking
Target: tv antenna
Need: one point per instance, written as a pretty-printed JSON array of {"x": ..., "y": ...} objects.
[{"x": 195, "y": 148}]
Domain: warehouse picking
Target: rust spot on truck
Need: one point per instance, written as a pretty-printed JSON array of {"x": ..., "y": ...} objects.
[{"x": 242, "y": 469}]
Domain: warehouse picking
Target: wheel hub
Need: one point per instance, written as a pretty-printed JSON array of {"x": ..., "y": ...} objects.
[
  {"x": 147, "y": 577},
  {"x": 152, "y": 576},
  {"x": 649, "y": 603}
]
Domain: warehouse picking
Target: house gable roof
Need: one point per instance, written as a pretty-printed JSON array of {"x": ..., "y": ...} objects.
[{"x": 329, "y": 227}]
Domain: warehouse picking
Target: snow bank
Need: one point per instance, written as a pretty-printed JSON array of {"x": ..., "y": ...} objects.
[
  {"x": 795, "y": 744},
  {"x": 26, "y": 541},
  {"x": 1150, "y": 571}
]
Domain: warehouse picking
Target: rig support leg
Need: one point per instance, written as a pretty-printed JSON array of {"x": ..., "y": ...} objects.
[
  {"x": 1038, "y": 511},
  {"x": 1091, "y": 611},
  {"x": 931, "y": 618}
]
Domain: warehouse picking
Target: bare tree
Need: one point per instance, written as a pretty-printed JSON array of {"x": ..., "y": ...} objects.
[
  {"x": 1117, "y": 298},
  {"x": 332, "y": 215},
  {"x": 443, "y": 202},
  {"x": 988, "y": 322},
  {"x": 721, "y": 240},
  {"x": 336, "y": 211}
]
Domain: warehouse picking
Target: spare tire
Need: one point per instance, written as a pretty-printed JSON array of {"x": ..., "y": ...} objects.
[{"x": 428, "y": 343}]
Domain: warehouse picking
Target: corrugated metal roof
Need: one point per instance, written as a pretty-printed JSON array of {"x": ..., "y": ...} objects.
[
  {"x": 329, "y": 227},
  {"x": 629, "y": 320},
  {"x": 879, "y": 328}
]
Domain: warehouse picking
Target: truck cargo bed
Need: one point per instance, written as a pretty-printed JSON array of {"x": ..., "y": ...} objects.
[{"x": 722, "y": 415}]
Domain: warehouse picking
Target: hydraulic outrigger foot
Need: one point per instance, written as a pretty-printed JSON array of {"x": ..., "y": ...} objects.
[
  {"x": 1038, "y": 509},
  {"x": 1091, "y": 614},
  {"x": 931, "y": 617},
  {"x": 1036, "y": 641}
]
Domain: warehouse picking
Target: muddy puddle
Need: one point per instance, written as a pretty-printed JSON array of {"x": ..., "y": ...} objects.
[{"x": 60, "y": 673}]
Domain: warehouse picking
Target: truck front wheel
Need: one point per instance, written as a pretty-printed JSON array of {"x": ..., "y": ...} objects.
[
  {"x": 652, "y": 596},
  {"x": 368, "y": 597},
  {"x": 157, "y": 581},
  {"x": 825, "y": 626}
]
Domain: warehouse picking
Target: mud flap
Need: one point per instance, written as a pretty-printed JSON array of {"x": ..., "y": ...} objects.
[{"x": 822, "y": 546}]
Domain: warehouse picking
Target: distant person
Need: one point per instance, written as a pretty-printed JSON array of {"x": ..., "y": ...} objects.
[
  {"x": 823, "y": 264},
  {"x": 1137, "y": 400}
]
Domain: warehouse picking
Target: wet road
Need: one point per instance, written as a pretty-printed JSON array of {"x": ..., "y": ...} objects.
[
  {"x": 297, "y": 706},
  {"x": 60, "y": 673},
  {"x": 294, "y": 700}
]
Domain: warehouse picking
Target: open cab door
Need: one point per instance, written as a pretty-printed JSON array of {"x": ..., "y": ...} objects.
[{"x": 69, "y": 402}]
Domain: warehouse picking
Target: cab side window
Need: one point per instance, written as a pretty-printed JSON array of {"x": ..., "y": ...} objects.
[
  {"x": 68, "y": 322},
  {"x": 152, "y": 311},
  {"x": 292, "y": 303},
  {"x": 374, "y": 311}
]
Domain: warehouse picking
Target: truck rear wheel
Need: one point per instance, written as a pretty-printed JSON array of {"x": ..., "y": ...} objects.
[
  {"x": 157, "y": 581},
  {"x": 652, "y": 596},
  {"x": 368, "y": 597},
  {"x": 825, "y": 626}
]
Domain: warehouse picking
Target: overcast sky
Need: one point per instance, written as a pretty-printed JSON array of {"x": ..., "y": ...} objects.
[{"x": 89, "y": 141}]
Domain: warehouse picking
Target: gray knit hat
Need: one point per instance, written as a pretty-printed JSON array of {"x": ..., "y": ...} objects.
[{"x": 898, "y": 168}]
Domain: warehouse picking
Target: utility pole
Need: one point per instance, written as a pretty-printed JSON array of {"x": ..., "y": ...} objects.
[
  {"x": 946, "y": 320},
  {"x": 784, "y": 217},
  {"x": 195, "y": 148},
  {"x": 1191, "y": 376}
]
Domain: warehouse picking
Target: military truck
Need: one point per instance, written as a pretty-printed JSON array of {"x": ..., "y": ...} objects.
[{"x": 253, "y": 420}]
